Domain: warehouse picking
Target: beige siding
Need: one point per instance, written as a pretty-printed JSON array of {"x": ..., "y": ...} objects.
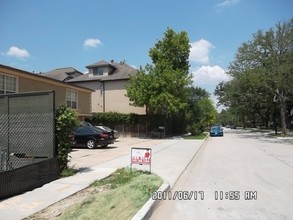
[
  {"x": 97, "y": 95},
  {"x": 111, "y": 98},
  {"x": 116, "y": 100},
  {"x": 97, "y": 101},
  {"x": 84, "y": 103},
  {"x": 30, "y": 83}
]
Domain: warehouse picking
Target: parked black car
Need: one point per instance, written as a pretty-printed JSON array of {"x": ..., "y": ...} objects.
[
  {"x": 216, "y": 131},
  {"x": 116, "y": 133},
  {"x": 91, "y": 137}
]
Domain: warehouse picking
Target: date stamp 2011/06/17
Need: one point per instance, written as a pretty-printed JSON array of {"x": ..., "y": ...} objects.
[
  {"x": 200, "y": 195},
  {"x": 178, "y": 195}
]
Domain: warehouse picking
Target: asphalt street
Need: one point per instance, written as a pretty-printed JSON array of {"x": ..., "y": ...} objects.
[{"x": 242, "y": 175}]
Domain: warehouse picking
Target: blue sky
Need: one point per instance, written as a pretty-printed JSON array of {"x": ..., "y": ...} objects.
[{"x": 41, "y": 35}]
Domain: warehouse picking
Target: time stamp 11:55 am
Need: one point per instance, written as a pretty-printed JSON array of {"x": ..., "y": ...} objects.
[{"x": 200, "y": 195}]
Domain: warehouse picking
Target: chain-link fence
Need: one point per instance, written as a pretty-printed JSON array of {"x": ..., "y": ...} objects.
[{"x": 27, "y": 129}]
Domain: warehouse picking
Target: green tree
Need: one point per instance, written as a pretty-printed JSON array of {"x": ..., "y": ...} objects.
[
  {"x": 201, "y": 112},
  {"x": 262, "y": 74},
  {"x": 139, "y": 90},
  {"x": 247, "y": 99},
  {"x": 196, "y": 93},
  {"x": 225, "y": 117},
  {"x": 163, "y": 85}
]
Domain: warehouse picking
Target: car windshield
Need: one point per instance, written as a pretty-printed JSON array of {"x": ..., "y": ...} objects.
[
  {"x": 215, "y": 128},
  {"x": 104, "y": 128},
  {"x": 107, "y": 128},
  {"x": 86, "y": 124},
  {"x": 98, "y": 129}
]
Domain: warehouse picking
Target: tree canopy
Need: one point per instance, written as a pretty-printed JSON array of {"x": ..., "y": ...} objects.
[
  {"x": 201, "y": 112},
  {"x": 163, "y": 85},
  {"x": 262, "y": 76}
]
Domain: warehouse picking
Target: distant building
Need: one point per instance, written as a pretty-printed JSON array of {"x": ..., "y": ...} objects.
[{"x": 108, "y": 81}]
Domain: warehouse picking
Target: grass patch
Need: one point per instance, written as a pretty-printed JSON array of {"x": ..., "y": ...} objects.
[
  {"x": 196, "y": 137},
  {"x": 70, "y": 171},
  {"x": 259, "y": 131},
  {"x": 280, "y": 135},
  {"x": 118, "y": 196}
]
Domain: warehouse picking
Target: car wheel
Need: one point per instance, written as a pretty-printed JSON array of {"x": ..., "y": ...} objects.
[{"x": 91, "y": 144}]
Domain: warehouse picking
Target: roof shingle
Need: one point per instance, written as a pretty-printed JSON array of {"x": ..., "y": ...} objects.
[
  {"x": 122, "y": 71},
  {"x": 63, "y": 74}
]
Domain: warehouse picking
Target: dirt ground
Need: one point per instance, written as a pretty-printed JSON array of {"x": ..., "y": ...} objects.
[{"x": 54, "y": 211}]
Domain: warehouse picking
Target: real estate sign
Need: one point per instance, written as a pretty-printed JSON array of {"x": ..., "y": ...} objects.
[{"x": 141, "y": 156}]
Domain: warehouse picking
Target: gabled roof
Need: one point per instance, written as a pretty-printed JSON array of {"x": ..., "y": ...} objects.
[
  {"x": 63, "y": 74},
  {"x": 99, "y": 64},
  {"x": 122, "y": 71}
]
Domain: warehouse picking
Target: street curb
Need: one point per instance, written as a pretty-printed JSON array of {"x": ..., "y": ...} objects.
[{"x": 145, "y": 212}]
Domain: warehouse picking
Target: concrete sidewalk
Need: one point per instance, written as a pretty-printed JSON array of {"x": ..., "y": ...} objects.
[{"x": 169, "y": 160}]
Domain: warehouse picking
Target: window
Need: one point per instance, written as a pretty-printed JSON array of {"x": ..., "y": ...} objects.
[
  {"x": 98, "y": 71},
  {"x": 71, "y": 98},
  {"x": 7, "y": 84}
]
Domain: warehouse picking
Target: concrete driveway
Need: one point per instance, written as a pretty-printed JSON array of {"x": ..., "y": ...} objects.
[{"x": 82, "y": 158}]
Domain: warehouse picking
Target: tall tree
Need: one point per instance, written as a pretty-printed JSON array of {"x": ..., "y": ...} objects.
[
  {"x": 201, "y": 112},
  {"x": 262, "y": 72},
  {"x": 163, "y": 85}
]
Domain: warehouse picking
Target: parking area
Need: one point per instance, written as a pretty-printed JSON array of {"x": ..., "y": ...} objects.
[{"x": 83, "y": 158}]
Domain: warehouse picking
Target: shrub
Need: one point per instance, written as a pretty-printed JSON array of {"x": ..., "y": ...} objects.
[
  {"x": 195, "y": 129},
  {"x": 66, "y": 119},
  {"x": 112, "y": 118}
]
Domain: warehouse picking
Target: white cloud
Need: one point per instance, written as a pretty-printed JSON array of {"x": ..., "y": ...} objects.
[
  {"x": 18, "y": 53},
  {"x": 92, "y": 42},
  {"x": 199, "y": 51},
  {"x": 227, "y": 3},
  {"x": 209, "y": 75}
]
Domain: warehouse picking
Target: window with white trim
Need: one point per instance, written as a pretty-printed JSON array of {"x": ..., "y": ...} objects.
[
  {"x": 8, "y": 84},
  {"x": 71, "y": 98}
]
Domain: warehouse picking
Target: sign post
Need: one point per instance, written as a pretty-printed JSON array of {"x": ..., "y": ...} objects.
[{"x": 141, "y": 156}]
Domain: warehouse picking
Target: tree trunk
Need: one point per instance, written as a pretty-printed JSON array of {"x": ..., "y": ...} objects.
[
  {"x": 147, "y": 119},
  {"x": 243, "y": 122},
  {"x": 282, "y": 98},
  {"x": 275, "y": 119},
  {"x": 283, "y": 116}
]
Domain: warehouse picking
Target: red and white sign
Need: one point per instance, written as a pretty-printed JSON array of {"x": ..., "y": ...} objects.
[{"x": 141, "y": 156}]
